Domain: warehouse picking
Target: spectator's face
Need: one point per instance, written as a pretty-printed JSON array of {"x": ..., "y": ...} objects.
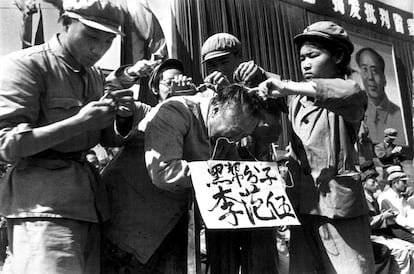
[
  {"x": 371, "y": 185},
  {"x": 317, "y": 62},
  {"x": 389, "y": 139},
  {"x": 372, "y": 75},
  {"x": 400, "y": 186},
  {"x": 225, "y": 64},
  {"x": 87, "y": 45},
  {"x": 229, "y": 122},
  {"x": 164, "y": 87}
]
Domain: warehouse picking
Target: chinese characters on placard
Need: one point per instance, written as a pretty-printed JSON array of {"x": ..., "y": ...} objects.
[{"x": 233, "y": 194}]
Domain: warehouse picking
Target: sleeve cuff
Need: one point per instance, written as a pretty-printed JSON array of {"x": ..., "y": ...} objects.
[
  {"x": 23, "y": 128},
  {"x": 320, "y": 95},
  {"x": 122, "y": 74},
  {"x": 123, "y": 126}
]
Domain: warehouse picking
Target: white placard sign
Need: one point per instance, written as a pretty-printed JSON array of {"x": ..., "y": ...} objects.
[{"x": 232, "y": 195}]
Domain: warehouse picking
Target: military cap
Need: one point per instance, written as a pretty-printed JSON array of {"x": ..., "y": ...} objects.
[
  {"x": 397, "y": 175},
  {"x": 391, "y": 132},
  {"x": 326, "y": 30},
  {"x": 104, "y": 15},
  {"x": 218, "y": 45}
]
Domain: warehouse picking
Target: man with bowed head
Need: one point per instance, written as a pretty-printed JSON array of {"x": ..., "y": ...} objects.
[
  {"x": 191, "y": 128},
  {"x": 133, "y": 240},
  {"x": 52, "y": 111},
  {"x": 222, "y": 56},
  {"x": 195, "y": 128},
  {"x": 325, "y": 113}
]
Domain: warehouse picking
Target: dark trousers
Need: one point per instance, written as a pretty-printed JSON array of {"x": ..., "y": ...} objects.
[
  {"x": 401, "y": 233},
  {"x": 382, "y": 257},
  {"x": 253, "y": 251},
  {"x": 170, "y": 257}
]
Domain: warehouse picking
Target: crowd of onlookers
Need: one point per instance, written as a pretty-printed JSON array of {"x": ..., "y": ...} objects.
[
  {"x": 390, "y": 202},
  {"x": 391, "y": 210}
]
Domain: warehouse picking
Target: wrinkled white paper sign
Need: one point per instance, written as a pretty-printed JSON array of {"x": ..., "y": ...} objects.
[{"x": 232, "y": 194}]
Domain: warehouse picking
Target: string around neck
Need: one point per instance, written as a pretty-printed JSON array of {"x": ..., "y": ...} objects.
[{"x": 216, "y": 144}]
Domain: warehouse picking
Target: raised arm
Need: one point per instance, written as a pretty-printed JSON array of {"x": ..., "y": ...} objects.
[{"x": 343, "y": 97}]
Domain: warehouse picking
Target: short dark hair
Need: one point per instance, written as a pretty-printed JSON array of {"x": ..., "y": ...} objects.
[
  {"x": 376, "y": 54},
  {"x": 239, "y": 95}
]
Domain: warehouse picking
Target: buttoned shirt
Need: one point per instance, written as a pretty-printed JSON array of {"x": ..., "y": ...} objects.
[
  {"x": 365, "y": 145},
  {"x": 383, "y": 116},
  {"x": 324, "y": 132},
  {"x": 39, "y": 86},
  {"x": 391, "y": 199},
  {"x": 377, "y": 221}
]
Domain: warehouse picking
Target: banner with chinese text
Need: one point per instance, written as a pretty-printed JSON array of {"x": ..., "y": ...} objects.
[
  {"x": 366, "y": 13},
  {"x": 232, "y": 195}
]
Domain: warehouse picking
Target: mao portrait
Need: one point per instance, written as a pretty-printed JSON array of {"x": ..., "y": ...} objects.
[{"x": 378, "y": 78}]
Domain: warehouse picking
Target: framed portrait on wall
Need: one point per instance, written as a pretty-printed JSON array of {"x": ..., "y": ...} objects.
[{"x": 374, "y": 68}]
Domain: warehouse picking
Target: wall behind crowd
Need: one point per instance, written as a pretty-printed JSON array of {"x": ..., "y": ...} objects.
[{"x": 266, "y": 29}]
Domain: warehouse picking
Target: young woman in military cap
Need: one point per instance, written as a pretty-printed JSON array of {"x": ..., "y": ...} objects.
[{"x": 325, "y": 113}]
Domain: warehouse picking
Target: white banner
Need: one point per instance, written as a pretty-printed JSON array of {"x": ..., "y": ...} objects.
[{"x": 232, "y": 195}]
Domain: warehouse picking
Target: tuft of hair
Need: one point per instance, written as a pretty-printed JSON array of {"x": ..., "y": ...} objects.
[{"x": 236, "y": 95}]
